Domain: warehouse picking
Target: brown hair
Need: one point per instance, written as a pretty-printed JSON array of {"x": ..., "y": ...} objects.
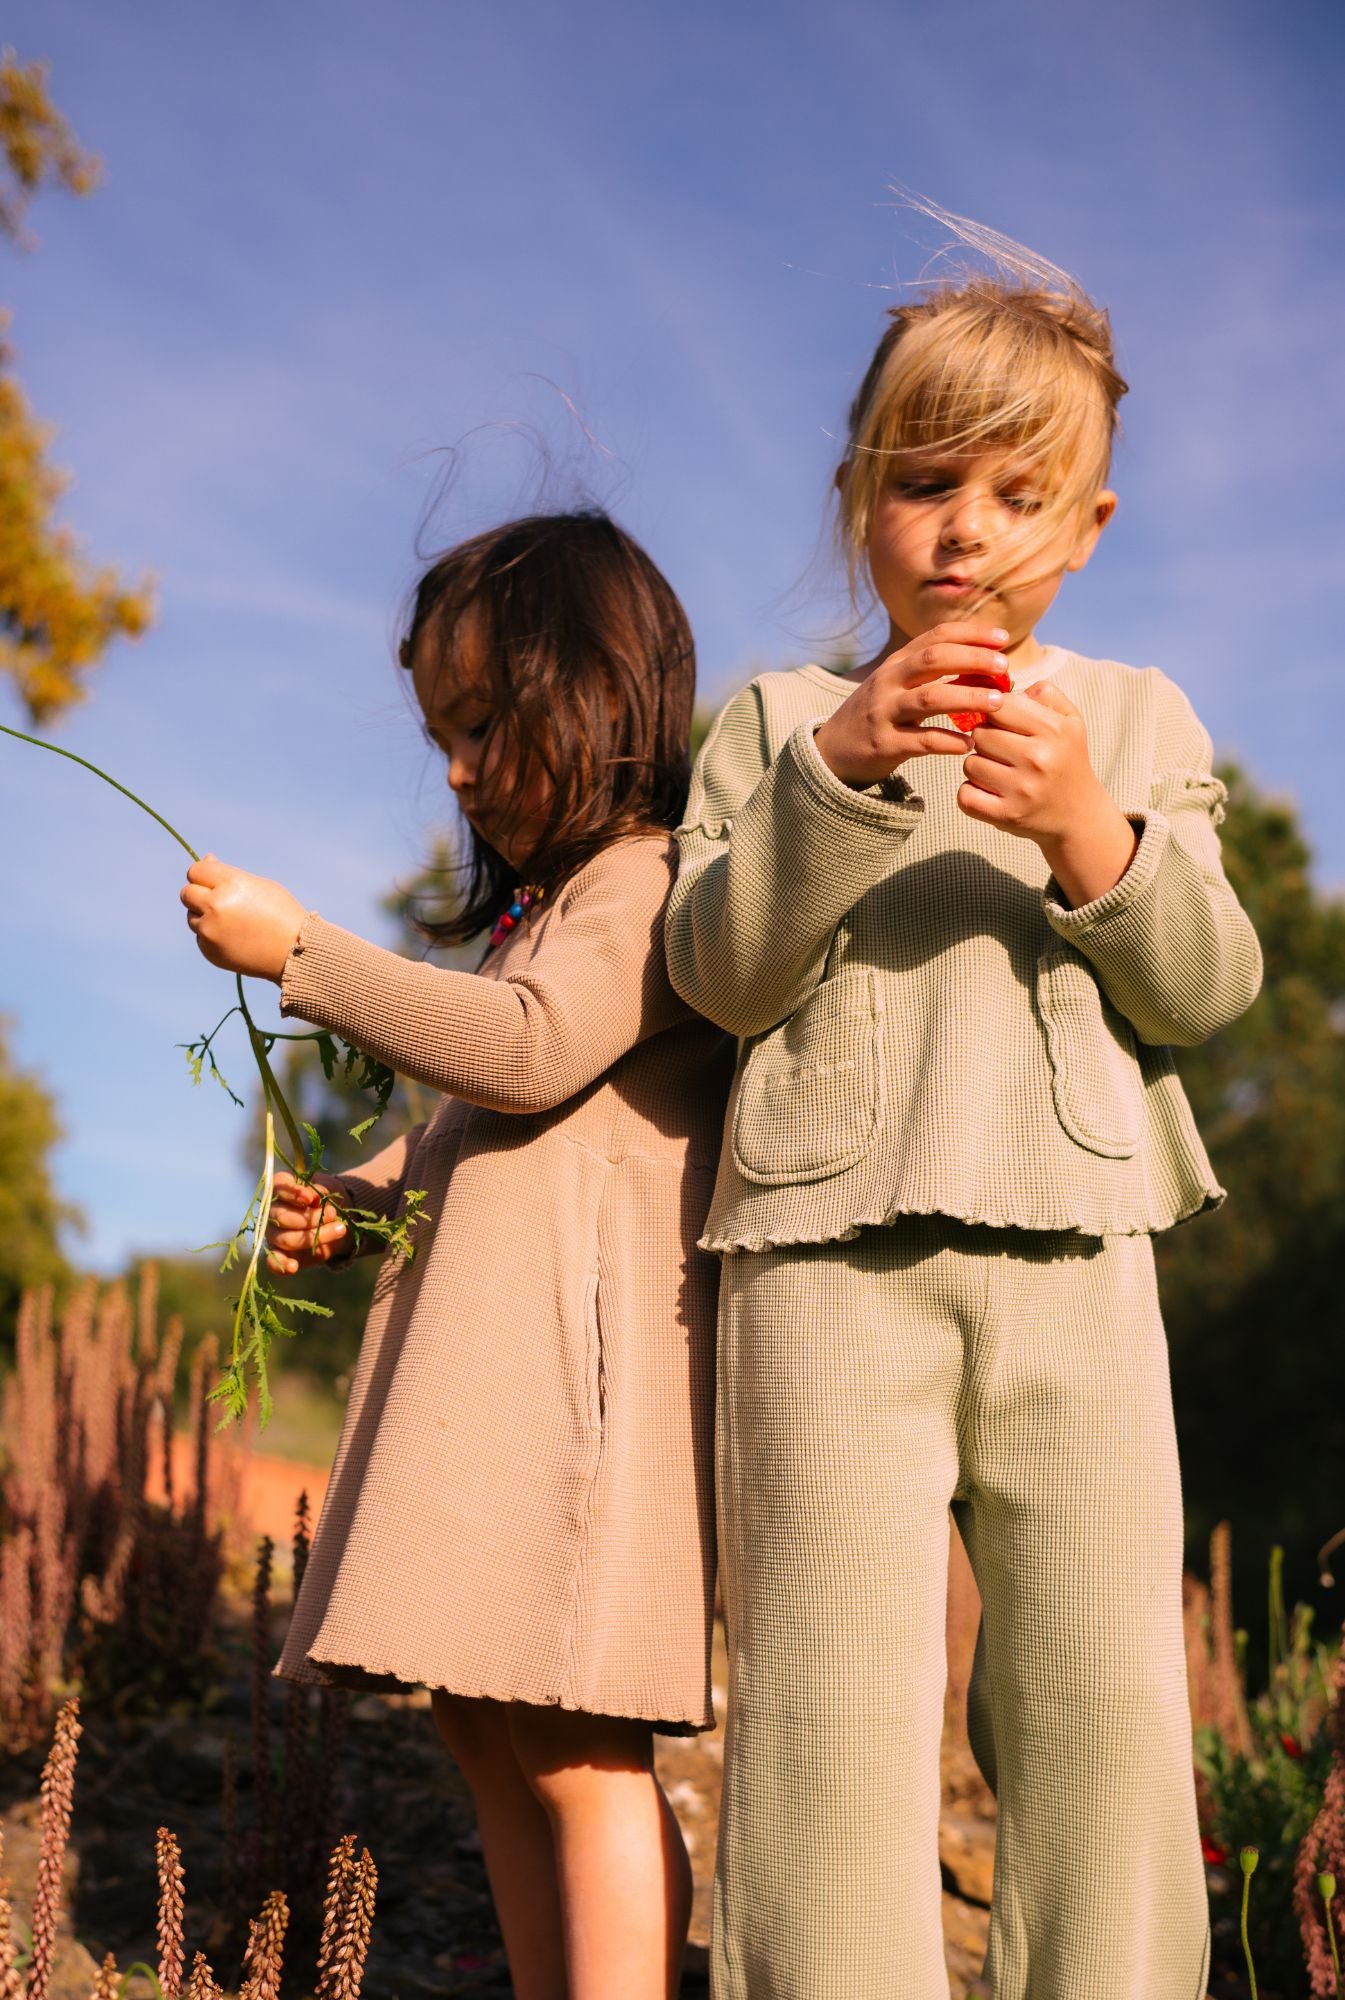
[
  {"x": 1017, "y": 359},
  {"x": 590, "y": 669}
]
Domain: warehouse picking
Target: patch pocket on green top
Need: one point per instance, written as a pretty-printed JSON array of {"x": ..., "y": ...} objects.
[
  {"x": 812, "y": 1089},
  {"x": 1095, "y": 1078}
]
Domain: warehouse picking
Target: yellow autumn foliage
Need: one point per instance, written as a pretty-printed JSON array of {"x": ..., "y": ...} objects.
[
  {"x": 37, "y": 144},
  {"x": 57, "y": 611}
]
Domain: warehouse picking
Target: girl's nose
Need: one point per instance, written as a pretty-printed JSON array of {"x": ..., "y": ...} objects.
[
  {"x": 963, "y": 525},
  {"x": 461, "y": 766}
]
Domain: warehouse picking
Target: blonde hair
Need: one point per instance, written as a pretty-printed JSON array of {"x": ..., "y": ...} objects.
[{"x": 1016, "y": 358}]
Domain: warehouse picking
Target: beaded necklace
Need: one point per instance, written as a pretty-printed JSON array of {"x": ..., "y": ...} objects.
[{"x": 525, "y": 896}]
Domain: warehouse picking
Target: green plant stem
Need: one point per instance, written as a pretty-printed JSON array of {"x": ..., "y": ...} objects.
[
  {"x": 1331, "y": 1939},
  {"x": 145, "y": 1972},
  {"x": 271, "y": 1089},
  {"x": 265, "y": 1190},
  {"x": 1247, "y": 1873},
  {"x": 57, "y": 751}
]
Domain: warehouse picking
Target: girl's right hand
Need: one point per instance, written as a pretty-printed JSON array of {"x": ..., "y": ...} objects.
[
  {"x": 878, "y": 727},
  {"x": 305, "y": 1226}
]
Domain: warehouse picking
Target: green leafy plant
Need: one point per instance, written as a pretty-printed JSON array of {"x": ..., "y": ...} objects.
[
  {"x": 259, "y": 1309},
  {"x": 1262, "y": 1778}
]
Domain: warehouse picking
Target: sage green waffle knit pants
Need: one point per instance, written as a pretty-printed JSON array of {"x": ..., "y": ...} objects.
[{"x": 865, "y": 1387}]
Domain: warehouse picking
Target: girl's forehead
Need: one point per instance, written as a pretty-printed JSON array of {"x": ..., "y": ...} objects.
[
  {"x": 447, "y": 665},
  {"x": 967, "y": 462}
]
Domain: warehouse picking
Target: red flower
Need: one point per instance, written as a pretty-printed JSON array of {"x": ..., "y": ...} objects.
[
  {"x": 1292, "y": 1746},
  {"x": 1213, "y": 1853},
  {"x": 967, "y": 719}
]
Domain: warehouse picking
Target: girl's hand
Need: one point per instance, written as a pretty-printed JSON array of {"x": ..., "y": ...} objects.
[
  {"x": 305, "y": 1226},
  {"x": 243, "y": 923},
  {"x": 1029, "y": 772},
  {"x": 878, "y": 727}
]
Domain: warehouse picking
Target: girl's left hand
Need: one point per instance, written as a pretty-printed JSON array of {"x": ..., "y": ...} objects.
[
  {"x": 1030, "y": 774},
  {"x": 243, "y": 923}
]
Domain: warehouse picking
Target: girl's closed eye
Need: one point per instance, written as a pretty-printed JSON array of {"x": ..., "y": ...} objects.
[{"x": 1022, "y": 501}]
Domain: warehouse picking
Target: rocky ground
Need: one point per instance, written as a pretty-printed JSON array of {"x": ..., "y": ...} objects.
[{"x": 435, "y": 1932}]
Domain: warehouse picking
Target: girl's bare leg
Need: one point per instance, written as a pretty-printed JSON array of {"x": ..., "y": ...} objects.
[
  {"x": 621, "y": 1862},
  {"x": 516, "y": 1840}
]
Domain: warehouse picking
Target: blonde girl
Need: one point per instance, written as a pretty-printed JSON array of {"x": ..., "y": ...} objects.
[
  {"x": 957, "y": 931},
  {"x": 520, "y": 1511}
]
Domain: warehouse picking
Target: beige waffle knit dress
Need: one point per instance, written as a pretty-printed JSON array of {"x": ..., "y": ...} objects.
[{"x": 521, "y": 1504}]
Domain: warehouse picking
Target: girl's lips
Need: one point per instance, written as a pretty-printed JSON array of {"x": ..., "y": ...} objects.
[{"x": 959, "y": 586}]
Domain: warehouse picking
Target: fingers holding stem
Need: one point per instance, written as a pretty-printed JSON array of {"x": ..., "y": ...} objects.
[{"x": 305, "y": 1226}]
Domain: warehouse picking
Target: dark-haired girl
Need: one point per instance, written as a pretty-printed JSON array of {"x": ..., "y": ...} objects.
[{"x": 520, "y": 1510}]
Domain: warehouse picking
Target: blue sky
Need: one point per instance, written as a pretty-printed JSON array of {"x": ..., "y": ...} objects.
[{"x": 335, "y": 242}]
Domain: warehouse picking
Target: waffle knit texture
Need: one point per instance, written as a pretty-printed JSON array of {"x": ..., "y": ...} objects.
[
  {"x": 521, "y": 1505},
  {"x": 926, "y": 1025},
  {"x": 864, "y": 1387}
]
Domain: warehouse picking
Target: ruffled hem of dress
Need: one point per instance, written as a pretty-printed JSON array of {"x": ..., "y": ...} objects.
[
  {"x": 361, "y": 1678},
  {"x": 787, "y": 1237}
]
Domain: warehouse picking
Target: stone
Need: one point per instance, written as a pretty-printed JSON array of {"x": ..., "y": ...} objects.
[{"x": 967, "y": 1856}]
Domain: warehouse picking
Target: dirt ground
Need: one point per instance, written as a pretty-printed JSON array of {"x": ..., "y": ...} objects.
[
  {"x": 691, "y": 1769},
  {"x": 434, "y": 1931}
]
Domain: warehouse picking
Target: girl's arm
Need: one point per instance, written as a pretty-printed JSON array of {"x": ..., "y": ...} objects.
[
  {"x": 774, "y": 856},
  {"x": 1173, "y": 948},
  {"x": 525, "y": 1042}
]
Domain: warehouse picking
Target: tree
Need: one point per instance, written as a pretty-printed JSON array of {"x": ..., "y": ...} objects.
[
  {"x": 57, "y": 612},
  {"x": 31, "y": 1212},
  {"x": 1252, "y": 1294}
]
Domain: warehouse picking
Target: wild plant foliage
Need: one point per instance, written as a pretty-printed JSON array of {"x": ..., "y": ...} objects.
[
  {"x": 1271, "y": 1779},
  {"x": 260, "y": 1309},
  {"x": 99, "y": 1585},
  {"x": 347, "y": 1913},
  {"x": 293, "y": 1793}
]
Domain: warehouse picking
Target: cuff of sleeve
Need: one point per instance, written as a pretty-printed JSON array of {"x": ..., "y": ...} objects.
[
  {"x": 301, "y": 975},
  {"x": 1123, "y": 895},
  {"x": 889, "y": 803}
]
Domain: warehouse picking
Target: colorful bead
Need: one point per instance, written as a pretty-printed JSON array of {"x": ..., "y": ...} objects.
[{"x": 508, "y": 920}]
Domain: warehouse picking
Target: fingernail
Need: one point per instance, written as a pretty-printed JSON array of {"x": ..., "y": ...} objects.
[
  {"x": 1000, "y": 662},
  {"x": 992, "y": 697},
  {"x": 999, "y": 632},
  {"x": 340, "y": 1228}
]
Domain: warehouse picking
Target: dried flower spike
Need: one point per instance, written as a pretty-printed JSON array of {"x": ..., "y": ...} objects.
[
  {"x": 340, "y": 1874},
  {"x": 201, "y": 1981},
  {"x": 58, "y": 1795},
  {"x": 11, "y": 1980},
  {"x": 261, "y": 1703},
  {"x": 107, "y": 1980},
  {"x": 168, "y": 1861},
  {"x": 263, "y": 1958},
  {"x": 345, "y": 1970}
]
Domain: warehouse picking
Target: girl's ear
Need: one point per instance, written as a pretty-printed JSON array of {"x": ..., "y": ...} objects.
[{"x": 1103, "y": 508}]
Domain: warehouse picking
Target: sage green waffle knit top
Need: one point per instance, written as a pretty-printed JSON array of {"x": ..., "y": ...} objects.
[{"x": 926, "y": 1026}]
